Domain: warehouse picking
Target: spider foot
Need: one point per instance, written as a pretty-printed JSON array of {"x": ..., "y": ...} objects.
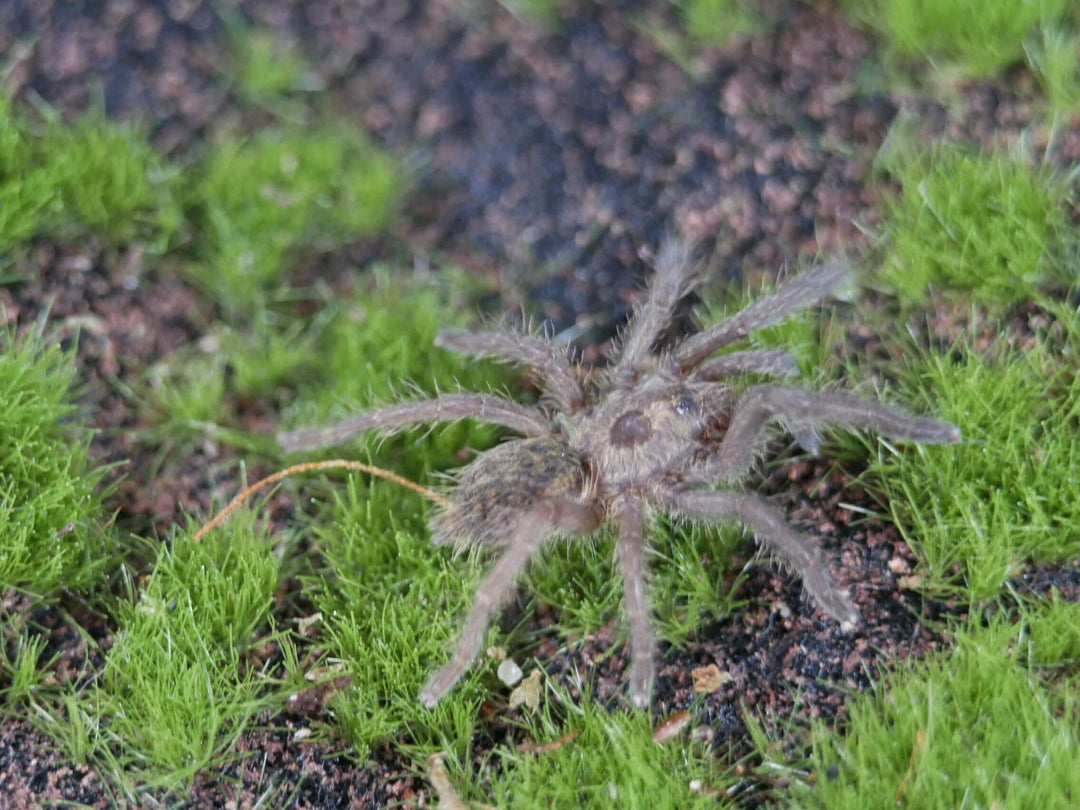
[{"x": 642, "y": 675}]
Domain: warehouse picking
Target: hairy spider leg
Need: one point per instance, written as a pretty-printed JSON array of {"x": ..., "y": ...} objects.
[
  {"x": 553, "y": 365},
  {"x": 487, "y": 408},
  {"x": 535, "y": 526},
  {"x": 801, "y": 552},
  {"x": 803, "y": 291},
  {"x": 676, "y": 274},
  {"x": 760, "y": 405},
  {"x": 772, "y": 362},
  {"x": 631, "y": 549}
]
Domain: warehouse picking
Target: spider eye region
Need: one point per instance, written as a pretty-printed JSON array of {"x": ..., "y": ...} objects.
[
  {"x": 683, "y": 404},
  {"x": 631, "y": 429}
]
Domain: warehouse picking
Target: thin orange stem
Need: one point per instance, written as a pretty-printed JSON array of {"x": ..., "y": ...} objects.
[{"x": 311, "y": 466}]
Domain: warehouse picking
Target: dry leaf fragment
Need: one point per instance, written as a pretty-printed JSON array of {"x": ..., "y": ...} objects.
[
  {"x": 898, "y": 565},
  {"x": 670, "y": 727},
  {"x": 912, "y": 582},
  {"x": 325, "y": 672},
  {"x": 709, "y": 679},
  {"x": 547, "y": 748},
  {"x": 527, "y": 692},
  {"x": 91, "y": 324},
  {"x": 305, "y": 622}
]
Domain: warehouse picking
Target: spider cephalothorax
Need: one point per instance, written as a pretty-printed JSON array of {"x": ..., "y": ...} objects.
[{"x": 654, "y": 431}]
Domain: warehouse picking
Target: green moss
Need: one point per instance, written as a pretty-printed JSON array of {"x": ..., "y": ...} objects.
[
  {"x": 613, "y": 762},
  {"x": 392, "y": 605},
  {"x": 391, "y": 602},
  {"x": 62, "y": 179},
  {"x": 50, "y": 511},
  {"x": 970, "y": 223},
  {"x": 1005, "y": 496},
  {"x": 254, "y": 204},
  {"x": 1054, "y": 56},
  {"x": 354, "y": 353},
  {"x": 110, "y": 180},
  {"x": 1052, "y": 634},
  {"x": 20, "y": 670},
  {"x": 191, "y": 391},
  {"x": 272, "y": 357},
  {"x": 177, "y": 689},
  {"x": 716, "y": 22},
  {"x": 974, "y": 37},
  {"x": 260, "y": 201},
  {"x": 27, "y": 199},
  {"x": 269, "y": 68},
  {"x": 199, "y": 390},
  {"x": 979, "y": 727},
  {"x": 351, "y": 354}
]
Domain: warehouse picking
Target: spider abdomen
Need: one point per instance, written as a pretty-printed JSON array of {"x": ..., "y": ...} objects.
[{"x": 505, "y": 482}]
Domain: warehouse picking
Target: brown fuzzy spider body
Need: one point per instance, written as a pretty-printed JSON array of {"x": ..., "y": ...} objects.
[
  {"x": 653, "y": 432},
  {"x": 503, "y": 483}
]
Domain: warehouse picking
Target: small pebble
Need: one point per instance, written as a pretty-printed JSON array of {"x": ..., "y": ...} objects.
[{"x": 509, "y": 672}]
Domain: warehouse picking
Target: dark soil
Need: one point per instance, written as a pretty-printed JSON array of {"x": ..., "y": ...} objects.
[
  {"x": 786, "y": 661},
  {"x": 551, "y": 163}
]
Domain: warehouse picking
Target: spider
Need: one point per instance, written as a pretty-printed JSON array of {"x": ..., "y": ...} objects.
[{"x": 654, "y": 431}]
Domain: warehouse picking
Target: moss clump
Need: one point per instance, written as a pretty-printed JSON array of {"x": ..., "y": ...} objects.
[
  {"x": 90, "y": 175},
  {"x": 357, "y": 352},
  {"x": 260, "y": 201},
  {"x": 1005, "y": 496},
  {"x": 984, "y": 726},
  {"x": 687, "y": 569},
  {"x": 974, "y": 37},
  {"x": 716, "y": 22},
  {"x": 269, "y": 68},
  {"x": 50, "y": 512},
  {"x": 972, "y": 223},
  {"x": 111, "y": 181},
  {"x": 392, "y": 603},
  {"x": 1054, "y": 57},
  {"x": 27, "y": 199},
  {"x": 177, "y": 689},
  {"x": 612, "y": 762}
]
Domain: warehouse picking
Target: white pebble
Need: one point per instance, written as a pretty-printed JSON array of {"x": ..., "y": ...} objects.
[{"x": 509, "y": 672}]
